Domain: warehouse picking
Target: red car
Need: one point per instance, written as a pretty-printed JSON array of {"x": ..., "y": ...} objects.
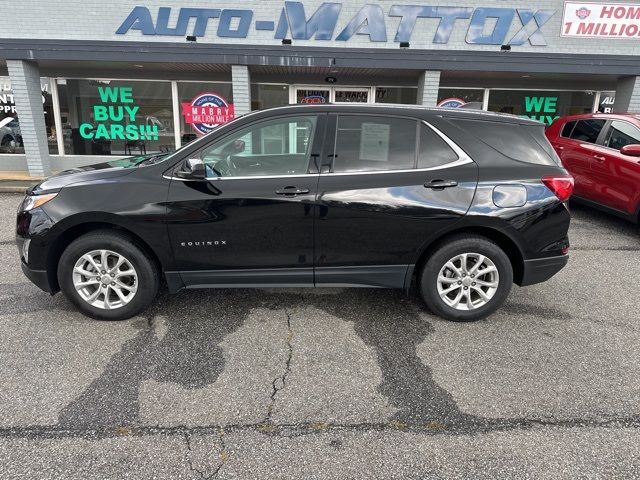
[{"x": 602, "y": 152}]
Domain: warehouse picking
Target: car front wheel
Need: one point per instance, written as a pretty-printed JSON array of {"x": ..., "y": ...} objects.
[
  {"x": 466, "y": 279},
  {"x": 107, "y": 276}
]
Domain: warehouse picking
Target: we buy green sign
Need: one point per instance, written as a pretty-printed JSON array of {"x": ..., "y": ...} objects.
[
  {"x": 116, "y": 117},
  {"x": 543, "y": 109}
]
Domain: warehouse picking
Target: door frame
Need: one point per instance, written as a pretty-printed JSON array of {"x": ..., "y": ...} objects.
[{"x": 332, "y": 91}]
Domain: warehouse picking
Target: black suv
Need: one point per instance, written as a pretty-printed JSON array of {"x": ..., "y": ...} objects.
[{"x": 460, "y": 203}]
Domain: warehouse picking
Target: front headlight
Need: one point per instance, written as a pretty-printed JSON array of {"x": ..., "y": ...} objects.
[{"x": 34, "y": 201}]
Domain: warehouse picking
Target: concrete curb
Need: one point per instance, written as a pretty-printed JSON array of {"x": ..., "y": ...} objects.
[{"x": 9, "y": 189}]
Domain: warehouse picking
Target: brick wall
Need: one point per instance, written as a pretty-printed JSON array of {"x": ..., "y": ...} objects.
[
  {"x": 627, "y": 95},
  {"x": 25, "y": 82},
  {"x": 428, "y": 85},
  {"x": 241, "y": 89}
]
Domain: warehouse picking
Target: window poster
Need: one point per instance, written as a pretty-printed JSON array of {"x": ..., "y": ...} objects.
[{"x": 374, "y": 142}]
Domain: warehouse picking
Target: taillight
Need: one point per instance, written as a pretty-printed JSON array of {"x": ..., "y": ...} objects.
[{"x": 561, "y": 186}]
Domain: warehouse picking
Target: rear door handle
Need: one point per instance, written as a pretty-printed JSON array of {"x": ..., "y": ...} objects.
[
  {"x": 599, "y": 158},
  {"x": 441, "y": 184},
  {"x": 292, "y": 191}
]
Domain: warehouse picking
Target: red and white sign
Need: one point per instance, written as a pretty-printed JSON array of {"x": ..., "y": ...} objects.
[
  {"x": 207, "y": 111},
  {"x": 601, "y": 20}
]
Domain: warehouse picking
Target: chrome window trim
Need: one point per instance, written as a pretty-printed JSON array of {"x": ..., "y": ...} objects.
[
  {"x": 463, "y": 159},
  {"x": 457, "y": 163},
  {"x": 246, "y": 177},
  {"x": 454, "y": 146}
]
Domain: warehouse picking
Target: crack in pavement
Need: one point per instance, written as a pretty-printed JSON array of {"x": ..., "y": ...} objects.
[
  {"x": 280, "y": 382},
  {"x": 189, "y": 459},
  {"x": 54, "y": 432}
]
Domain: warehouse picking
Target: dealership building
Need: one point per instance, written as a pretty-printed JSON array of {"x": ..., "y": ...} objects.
[{"x": 87, "y": 80}]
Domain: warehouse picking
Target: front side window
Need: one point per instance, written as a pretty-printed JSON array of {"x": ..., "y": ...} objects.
[
  {"x": 434, "y": 151},
  {"x": 587, "y": 130},
  {"x": 274, "y": 147},
  {"x": 369, "y": 143},
  {"x": 621, "y": 134}
]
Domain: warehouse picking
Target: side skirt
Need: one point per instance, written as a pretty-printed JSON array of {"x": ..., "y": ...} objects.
[{"x": 378, "y": 276}]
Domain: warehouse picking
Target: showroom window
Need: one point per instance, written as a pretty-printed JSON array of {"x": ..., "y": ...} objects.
[
  {"x": 405, "y": 95},
  {"x": 116, "y": 117},
  {"x": 264, "y": 95},
  {"x": 369, "y": 143},
  {"x": 461, "y": 97},
  {"x": 541, "y": 105},
  {"x": 10, "y": 134},
  {"x": 203, "y": 106},
  {"x": 607, "y": 99}
]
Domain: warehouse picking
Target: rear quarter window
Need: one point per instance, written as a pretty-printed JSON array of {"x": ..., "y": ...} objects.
[
  {"x": 524, "y": 143},
  {"x": 567, "y": 129}
]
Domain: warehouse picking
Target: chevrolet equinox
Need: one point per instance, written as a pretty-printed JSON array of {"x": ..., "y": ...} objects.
[{"x": 459, "y": 203}]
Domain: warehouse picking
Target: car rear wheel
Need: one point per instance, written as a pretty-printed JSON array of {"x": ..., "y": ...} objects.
[
  {"x": 466, "y": 279},
  {"x": 107, "y": 276}
]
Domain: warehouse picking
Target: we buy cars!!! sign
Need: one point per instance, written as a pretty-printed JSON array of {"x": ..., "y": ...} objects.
[{"x": 601, "y": 20}]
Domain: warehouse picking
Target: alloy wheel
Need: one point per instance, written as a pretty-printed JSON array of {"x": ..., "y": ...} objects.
[
  {"x": 105, "y": 279},
  {"x": 468, "y": 281}
]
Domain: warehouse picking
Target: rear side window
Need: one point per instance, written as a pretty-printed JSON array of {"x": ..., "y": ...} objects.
[
  {"x": 567, "y": 129},
  {"x": 525, "y": 143},
  {"x": 434, "y": 151},
  {"x": 621, "y": 134},
  {"x": 587, "y": 130},
  {"x": 369, "y": 143}
]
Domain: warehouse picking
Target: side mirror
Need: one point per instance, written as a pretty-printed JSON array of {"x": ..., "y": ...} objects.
[
  {"x": 632, "y": 150},
  {"x": 192, "y": 169}
]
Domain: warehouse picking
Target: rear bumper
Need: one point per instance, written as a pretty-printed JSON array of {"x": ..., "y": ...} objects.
[
  {"x": 542, "y": 269},
  {"x": 38, "y": 277}
]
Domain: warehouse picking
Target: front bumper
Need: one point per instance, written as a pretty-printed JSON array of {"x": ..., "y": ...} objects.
[
  {"x": 38, "y": 277},
  {"x": 542, "y": 269}
]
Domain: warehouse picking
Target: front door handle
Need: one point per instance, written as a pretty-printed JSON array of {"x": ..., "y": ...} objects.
[
  {"x": 292, "y": 191},
  {"x": 599, "y": 158},
  {"x": 441, "y": 184}
]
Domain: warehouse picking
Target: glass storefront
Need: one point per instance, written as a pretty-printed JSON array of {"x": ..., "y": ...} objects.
[
  {"x": 265, "y": 95},
  {"x": 312, "y": 95},
  {"x": 461, "y": 98},
  {"x": 116, "y": 117},
  {"x": 405, "y": 95},
  {"x": 10, "y": 135},
  {"x": 128, "y": 117},
  {"x": 607, "y": 99},
  {"x": 542, "y": 105},
  {"x": 198, "y": 95}
]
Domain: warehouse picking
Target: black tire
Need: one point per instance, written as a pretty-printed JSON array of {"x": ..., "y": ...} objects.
[
  {"x": 148, "y": 279},
  {"x": 446, "y": 251}
]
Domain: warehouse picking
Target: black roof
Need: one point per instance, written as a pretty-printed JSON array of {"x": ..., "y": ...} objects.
[{"x": 401, "y": 109}]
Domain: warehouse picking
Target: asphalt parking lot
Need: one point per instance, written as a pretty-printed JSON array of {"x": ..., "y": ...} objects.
[{"x": 329, "y": 383}]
